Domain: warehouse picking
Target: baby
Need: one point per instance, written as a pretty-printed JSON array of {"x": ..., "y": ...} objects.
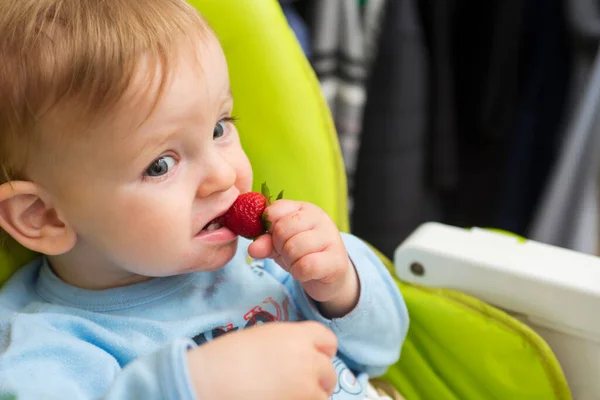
[{"x": 118, "y": 148}]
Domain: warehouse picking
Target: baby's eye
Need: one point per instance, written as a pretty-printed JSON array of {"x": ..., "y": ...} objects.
[
  {"x": 161, "y": 166},
  {"x": 220, "y": 129}
]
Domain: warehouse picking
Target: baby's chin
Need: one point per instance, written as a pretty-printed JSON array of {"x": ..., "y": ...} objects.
[{"x": 211, "y": 259}]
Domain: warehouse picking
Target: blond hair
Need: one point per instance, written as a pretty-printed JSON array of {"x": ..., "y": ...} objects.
[{"x": 82, "y": 52}]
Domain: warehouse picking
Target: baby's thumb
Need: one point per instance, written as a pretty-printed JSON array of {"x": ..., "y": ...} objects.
[{"x": 262, "y": 247}]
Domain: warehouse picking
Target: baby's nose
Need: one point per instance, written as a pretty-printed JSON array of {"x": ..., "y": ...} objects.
[{"x": 219, "y": 177}]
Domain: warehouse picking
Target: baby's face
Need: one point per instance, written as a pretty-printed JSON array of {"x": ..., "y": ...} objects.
[{"x": 141, "y": 190}]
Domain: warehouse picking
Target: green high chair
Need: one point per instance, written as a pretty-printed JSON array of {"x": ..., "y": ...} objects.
[{"x": 458, "y": 348}]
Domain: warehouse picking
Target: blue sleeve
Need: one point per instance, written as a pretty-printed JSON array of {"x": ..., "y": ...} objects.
[
  {"x": 39, "y": 362},
  {"x": 371, "y": 335}
]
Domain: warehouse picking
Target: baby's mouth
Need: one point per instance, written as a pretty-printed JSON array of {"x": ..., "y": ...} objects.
[{"x": 212, "y": 226}]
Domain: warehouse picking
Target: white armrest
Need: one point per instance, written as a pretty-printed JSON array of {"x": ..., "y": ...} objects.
[{"x": 545, "y": 283}]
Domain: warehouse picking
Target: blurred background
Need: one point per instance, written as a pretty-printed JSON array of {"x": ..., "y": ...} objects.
[{"x": 465, "y": 112}]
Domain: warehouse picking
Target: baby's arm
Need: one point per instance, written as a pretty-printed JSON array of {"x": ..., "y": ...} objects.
[
  {"x": 338, "y": 281},
  {"x": 39, "y": 361}
]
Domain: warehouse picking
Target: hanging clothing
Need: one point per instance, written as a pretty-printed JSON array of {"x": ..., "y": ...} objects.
[
  {"x": 473, "y": 102},
  {"x": 442, "y": 124},
  {"x": 343, "y": 36},
  {"x": 568, "y": 213},
  {"x": 545, "y": 79},
  {"x": 390, "y": 197}
]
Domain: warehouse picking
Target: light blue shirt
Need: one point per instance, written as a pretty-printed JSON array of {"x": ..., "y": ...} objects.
[{"x": 61, "y": 342}]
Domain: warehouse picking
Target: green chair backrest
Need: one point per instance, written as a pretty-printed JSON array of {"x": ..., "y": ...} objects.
[{"x": 457, "y": 348}]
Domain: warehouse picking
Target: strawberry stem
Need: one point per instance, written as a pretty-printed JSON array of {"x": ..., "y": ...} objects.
[{"x": 265, "y": 190}]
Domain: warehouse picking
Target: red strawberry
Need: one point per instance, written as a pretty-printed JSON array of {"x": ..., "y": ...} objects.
[{"x": 246, "y": 217}]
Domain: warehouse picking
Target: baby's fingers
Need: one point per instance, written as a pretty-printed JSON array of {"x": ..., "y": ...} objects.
[
  {"x": 286, "y": 225},
  {"x": 261, "y": 247},
  {"x": 302, "y": 244},
  {"x": 280, "y": 209},
  {"x": 319, "y": 266}
]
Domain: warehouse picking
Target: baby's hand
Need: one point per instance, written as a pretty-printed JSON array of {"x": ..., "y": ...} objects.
[
  {"x": 281, "y": 360},
  {"x": 304, "y": 241}
]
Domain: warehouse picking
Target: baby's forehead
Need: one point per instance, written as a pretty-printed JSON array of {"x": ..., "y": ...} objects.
[
  {"x": 192, "y": 84},
  {"x": 194, "y": 75}
]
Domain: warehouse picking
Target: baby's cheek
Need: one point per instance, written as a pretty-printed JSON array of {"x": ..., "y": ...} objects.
[
  {"x": 146, "y": 233},
  {"x": 150, "y": 254}
]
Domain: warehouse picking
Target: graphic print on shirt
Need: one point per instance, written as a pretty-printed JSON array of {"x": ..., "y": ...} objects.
[{"x": 270, "y": 310}]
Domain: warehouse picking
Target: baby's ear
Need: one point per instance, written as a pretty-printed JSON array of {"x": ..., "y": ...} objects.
[{"x": 28, "y": 215}]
